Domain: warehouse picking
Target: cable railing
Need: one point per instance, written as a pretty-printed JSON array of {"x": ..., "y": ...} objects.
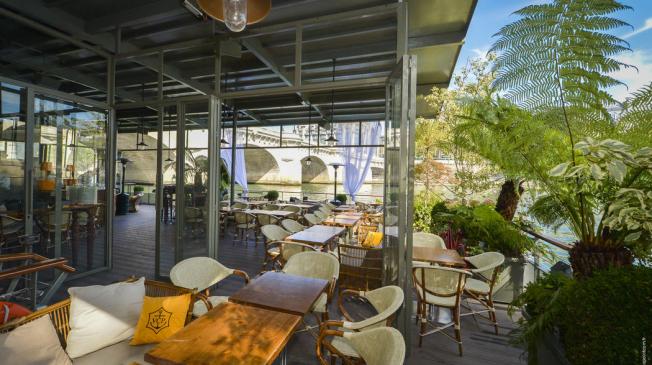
[
  {"x": 536, "y": 259},
  {"x": 286, "y": 195}
]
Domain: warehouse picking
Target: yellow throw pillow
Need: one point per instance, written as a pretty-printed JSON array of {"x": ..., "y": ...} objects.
[
  {"x": 160, "y": 318},
  {"x": 373, "y": 239}
]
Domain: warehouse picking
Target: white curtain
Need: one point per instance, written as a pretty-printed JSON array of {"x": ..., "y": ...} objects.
[
  {"x": 357, "y": 160},
  {"x": 240, "y": 166}
]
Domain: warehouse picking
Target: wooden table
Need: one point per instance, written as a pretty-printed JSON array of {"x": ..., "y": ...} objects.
[
  {"x": 439, "y": 256},
  {"x": 281, "y": 292},
  {"x": 276, "y": 213},
  {"x": 317, "y": 235},
  {"x": 228, "y": 334},
  {"x": 303, "y": 207},
  {"x": 345, "y": 221},
  {"x": 345, "y": 208}
]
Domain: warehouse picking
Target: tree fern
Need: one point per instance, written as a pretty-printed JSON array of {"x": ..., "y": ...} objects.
[
  {"x": 558, "y": 55},
  {"x": 635, "y": 124}
]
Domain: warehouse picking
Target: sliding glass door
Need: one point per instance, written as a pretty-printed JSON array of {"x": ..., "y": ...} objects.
[{"x": 399, "y": 181}]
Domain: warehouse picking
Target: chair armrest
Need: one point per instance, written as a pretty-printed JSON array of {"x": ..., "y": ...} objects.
[
  {"x": 204, "y": 299},
  {"x": 321, "y": 342},
  {"x": 242, "y": 274},
  {"x": 340, "y": 302}
]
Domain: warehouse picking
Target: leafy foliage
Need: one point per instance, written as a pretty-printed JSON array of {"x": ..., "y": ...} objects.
[
  {"x": 424, "y": 201},
  {"x": 560, "y": 54},
  {"x": 272, "y": 195},
  {"x": 602, "y": 319},
  {"x": 483, "y": 229}
]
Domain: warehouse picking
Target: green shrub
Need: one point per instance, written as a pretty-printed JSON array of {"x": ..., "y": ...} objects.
[
  {"x": 607, "y": 318},
  {"x": 482, "y": 227},
  {"x": 272, "y": 195},
  {"x": 603, "y": 319},
  {"x": 424, "y": 202},
  {"x": 341, "y": 198}
]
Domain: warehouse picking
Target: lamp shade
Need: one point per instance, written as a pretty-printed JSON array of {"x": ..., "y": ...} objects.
[{"x": 257, "y": 10}]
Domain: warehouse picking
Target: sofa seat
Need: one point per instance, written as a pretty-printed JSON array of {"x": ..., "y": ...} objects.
[{"x": 118, "y": 354}]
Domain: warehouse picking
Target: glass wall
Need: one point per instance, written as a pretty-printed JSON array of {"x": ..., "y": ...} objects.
[
  {"x": 12, "y": 164},
  {"x": 69, "y": 194}
]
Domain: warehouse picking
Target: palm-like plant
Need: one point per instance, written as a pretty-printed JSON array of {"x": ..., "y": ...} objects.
[{"x": 555, "y": 61}]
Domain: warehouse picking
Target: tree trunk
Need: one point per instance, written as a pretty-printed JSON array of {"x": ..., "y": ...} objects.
[
  {"x": 508, "y": 199},
  {"x": 586, "y": 259}
]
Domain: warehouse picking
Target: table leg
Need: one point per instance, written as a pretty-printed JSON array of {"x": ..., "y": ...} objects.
[
  {"x": 90, "y": 239},
  {"x": 75, "y": 237}
]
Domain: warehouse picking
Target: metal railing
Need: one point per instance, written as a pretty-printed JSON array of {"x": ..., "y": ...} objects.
[
  {"x": 286, "y": 195},
  {"x": 535, "y": 259}
]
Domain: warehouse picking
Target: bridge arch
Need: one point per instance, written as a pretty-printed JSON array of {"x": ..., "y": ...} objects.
[
  {"x": 262, "y": 166},
  {"x": 317, "y": 172}
]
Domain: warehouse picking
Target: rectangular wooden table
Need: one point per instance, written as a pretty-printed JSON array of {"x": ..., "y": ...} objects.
[
  {"x": 298, "y": 205},
  {"x": 277, "y": 213},
  {"x": 345, "y": 221},
  {"x": 228, "y": 334},
  {"x": 281, "y": 292},
  {"x": 345, "y": 208},
  {"x": 317, "y": 235},
  {"x": 439, "y": 256}
]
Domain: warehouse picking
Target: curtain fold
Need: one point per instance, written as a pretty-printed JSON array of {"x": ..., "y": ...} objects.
[
  {"x": 357, "y": 160},
  {"x": 240, "y": 166}
]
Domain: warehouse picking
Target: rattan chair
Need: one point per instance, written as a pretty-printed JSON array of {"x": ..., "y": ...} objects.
[
  {"x": 311, "y": 219},
  {"x": 363, "y": 230},
  {"x": 240, "y": 205},
  {"x": 386, "y": 301},
  {"x": 480, "y": 287},
  {"x": 378, "y": 346},
  {"x": 440, "y": 287},
  {"x": 277, "y": 250},
  {"x": 244, "y": 222},
  {"x": 201, "y": 273},
  {"x": 60, "y": 312},
  {"x": 425, "y": 239},
  {"x": 317, "y": 265},
  {"x": 321, "y": 215},
  {"x": 270, "y": 207},
  {"x": 292, "y": 226},
  {"x": 295, "y": 211},
  {"x": 361, "y": 268}
]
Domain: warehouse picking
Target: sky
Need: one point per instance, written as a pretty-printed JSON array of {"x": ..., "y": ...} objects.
[{"x": 491, "y": 15}]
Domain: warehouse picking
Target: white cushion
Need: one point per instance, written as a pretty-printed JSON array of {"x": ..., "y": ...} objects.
[
  {"x": 121, "y": 353},
  {"x": 34, "y": 343},
  {"x": 102, "y": 315}
]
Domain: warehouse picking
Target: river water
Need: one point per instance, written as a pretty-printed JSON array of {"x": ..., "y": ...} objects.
[{"x": 368, "y": 192}]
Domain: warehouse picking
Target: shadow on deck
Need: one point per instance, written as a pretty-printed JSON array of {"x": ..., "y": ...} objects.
[{"x": 134, "y": 254}]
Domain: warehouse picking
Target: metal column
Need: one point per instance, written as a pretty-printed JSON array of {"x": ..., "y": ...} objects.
[
  {"x": 109, "y": 161},
  {"x": 29, "y": 161}
]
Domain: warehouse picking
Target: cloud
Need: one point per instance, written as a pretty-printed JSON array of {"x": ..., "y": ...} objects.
[
  {"x": 646, "y": 26},
  {"x": 481, "y": 52},
  {"x": 634, "y": 79}
]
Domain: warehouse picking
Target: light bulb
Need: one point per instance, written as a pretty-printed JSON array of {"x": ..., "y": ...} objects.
[
  {"x": 235, "y": 14},
  {"x": 308, "y": 161}
]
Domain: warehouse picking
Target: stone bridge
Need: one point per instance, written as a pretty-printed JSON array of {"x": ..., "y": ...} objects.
[{"x": 274, "y": 165}]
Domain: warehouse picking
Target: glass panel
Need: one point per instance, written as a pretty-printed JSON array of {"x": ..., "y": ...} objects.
[
  {"x": 69, "y": 186},
  {"x": 168, "y": 165},
  {"x": 12, "y": 163},
  {"x": 195, "y": 214}
]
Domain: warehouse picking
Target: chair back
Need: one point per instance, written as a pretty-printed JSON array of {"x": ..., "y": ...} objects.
[
  {"x": 292, "y": 225},
  {"x": 363, "y": 231},
  {"x": 265, "y": 219},
  {"x": 289, "y": 249},
  {"x": 274, "y": 233},
  {"x": 439, "y": 281},
  {"x": 378, "y": 346},
  {"x": 292, "y": 208},
  {"x": 361, "y": 206},
  {"x": 361, "y": 268},
  {"x": 487, "y": 264},
  {"x": 243, "y": 218},
  {"x": 425, "y": 239},
  {"x": 387, "y": 301},
  {"x": 198, "y": 272},
  {"x": 325, "y": 210},
  {"x": 321, "y": 215},
  {"x": 329, "y": 205},
  {"x": 312, "y": 219},
  {"x": 271, "y": 207},
  {"x": 317, "y": 265}
]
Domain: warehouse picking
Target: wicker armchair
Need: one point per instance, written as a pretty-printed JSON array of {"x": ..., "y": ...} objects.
[
  {"x": 278, "y": 251},
  {"x": 292, "y": 225},
  {"x": 361, "y": 268},
  {"x": 244, "y": 222},
  {"x": 60, "y": 312},
  {"x": 312, "y": 219},
  {"x": 378, "y": 346},
  {"x": 363, "y": 230}
]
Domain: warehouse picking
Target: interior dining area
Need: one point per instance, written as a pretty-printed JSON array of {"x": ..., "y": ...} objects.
[{"x": 129, "y": 135}]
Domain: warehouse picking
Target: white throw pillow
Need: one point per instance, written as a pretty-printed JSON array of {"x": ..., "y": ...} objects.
[
  {"x": 34, "y": 343},
  {"x": 102, "y": 315}
]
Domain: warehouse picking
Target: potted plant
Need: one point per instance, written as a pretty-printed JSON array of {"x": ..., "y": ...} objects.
[
  {"x": 341, "y": 198},
  {"x": 272, "y": 195},
  {"x": 139, "y": 190}
]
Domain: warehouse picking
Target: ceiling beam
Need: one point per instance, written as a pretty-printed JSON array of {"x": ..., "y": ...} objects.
[
  {"x": 437, "y": 39},
  {"x": 141, "y": 14}
]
